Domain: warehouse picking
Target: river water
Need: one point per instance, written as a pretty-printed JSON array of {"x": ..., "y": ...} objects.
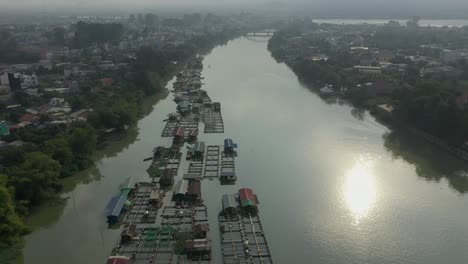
[
  {"x": 422, "y": 22},
  {"x": 330, "y": 189}
]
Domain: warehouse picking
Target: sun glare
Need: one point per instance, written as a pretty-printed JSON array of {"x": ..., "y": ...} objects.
[{"x": 359, "y": 188}]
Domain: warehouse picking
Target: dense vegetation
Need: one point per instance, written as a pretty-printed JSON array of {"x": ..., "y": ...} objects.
[
  {"x": 9, "y": 52},
  {"x": 31, "y": 172},
  {"x": 89, "y": 33}
]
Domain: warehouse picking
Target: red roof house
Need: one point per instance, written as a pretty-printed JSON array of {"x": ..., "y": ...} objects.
[
  {"x": 107, "y": 81},
  {"x": 28, "y": 117},
  {"x": 247, "y": 198}
]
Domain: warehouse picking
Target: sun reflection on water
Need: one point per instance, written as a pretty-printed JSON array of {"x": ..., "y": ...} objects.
[{"x": 359, "y": 188}]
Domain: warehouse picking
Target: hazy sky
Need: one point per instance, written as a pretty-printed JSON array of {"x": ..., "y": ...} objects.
[{"x": 335, "y": 7}]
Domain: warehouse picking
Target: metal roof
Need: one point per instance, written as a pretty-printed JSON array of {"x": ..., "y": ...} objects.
[
  {"x": 194, "y": 187},
  {"x": 227, "y": 174},
  {"x": 118, "y": 260},
  {"x": 228, "y": 143},
  {"x": 116, "y": 205},
  {"x": 247, "y": 197},
  {"x": 180, "y": 132},
  {"x": 199, "y": 147},
  {"x": 181, "y": 187},
  {"x": 192, "y": 176},
  {"x": 229, "y": 201}
]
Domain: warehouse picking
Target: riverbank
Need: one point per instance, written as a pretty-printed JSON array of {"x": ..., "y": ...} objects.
[{"x": 381, "y": 76}]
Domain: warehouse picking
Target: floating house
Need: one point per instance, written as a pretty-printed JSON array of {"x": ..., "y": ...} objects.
[
  {"x": 155, "y": 198},
  {"x": 217, "y": 106},
  {"x": 229, "y": 204},
  {"x": 200, "y": 231},
  {"x": 229, "y": 146},
  {"x": 127, "y": 185},
  {"x": 198, "y": 150},
  {"x": 118, "y": 260},
  {"x": 199, "y": 246},
  {"x": 248, "y": 200},
  {"x": 184, "y": 107},
  {"x": 179, "y": 135},
  {"x": 193, "y": 134},
  {"x": 180, "y": 191},
  {"x": 194, "y": 191},
  {"x": 227, "y": 175},
  {"x": 192, "y": 176},
  {"x": 167, "y": 177},
  {"x": 128, "y": 233},
  {"x": 115, "y": 208}
]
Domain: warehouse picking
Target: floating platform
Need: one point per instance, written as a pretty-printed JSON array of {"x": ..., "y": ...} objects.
[
  {"x": 212, "y": 162},
  {"x": 243, "y": 241},
  {"x": 213, "y": 121},
  {"x": 241, "y": 231},
  {"x": 166, "y": 158}
]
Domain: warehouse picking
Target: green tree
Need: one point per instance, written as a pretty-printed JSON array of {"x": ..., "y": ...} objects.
[
  {"x": 83, "y": 142},
  {"x": 36, "y": 179},
  {"x": 59, "y": 149},
  {"x": 11, "y": 225}
]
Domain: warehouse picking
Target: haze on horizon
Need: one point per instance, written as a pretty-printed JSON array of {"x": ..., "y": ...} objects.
[{"x": 334, "y": 8}]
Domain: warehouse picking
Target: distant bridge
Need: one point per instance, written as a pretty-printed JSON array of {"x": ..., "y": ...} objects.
[{"x": 265, "y": 33}]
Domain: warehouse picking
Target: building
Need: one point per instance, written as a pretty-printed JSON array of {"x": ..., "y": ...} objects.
[
  {"x": 230, "y": 204},
  {"x": 184, "y": 107},
  {"x": 167, "y": 177},
  {"x": 198, "y": 150},
  {"x": 4, "y": 129},
  {"x": 382, "y": 87},
  {"x": 200, "y": 231},
  {"x": 227, "y": 175},
  {"x": 193, "y": 135},
  {"x": 194, "y": 191},
  {"x": 385, "y": 109},
  {"x": 4, "y": 92},
  {"x": 385, "y": 56},
  {"x": 155, "y": 198},
  {"x": 198, "y": 246},
  {"x": 4, "y": 80},
  {"x": 118, "y": 260},
  {"x": 217, "y": 106},
  {"x": 128, "y": 233},
  {"x": 57, "y": 102},
  {"x": 248, "y": 200},
  {"x": 368, "y": 70},
  {"x": 192, "y": 176},
  {"x": 28, "y": 81},
  {"x": 180, "y": 191},
  {"x": 451, "y": 56},
  {"x": 327, "y": 90},
  {"x": 179, "y": 135},
  {"x": 229, "y": 146},
  {"x": 115, "y": 208}
]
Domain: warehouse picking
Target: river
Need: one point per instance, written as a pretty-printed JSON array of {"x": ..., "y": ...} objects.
[
  {"x": 422, "y": 22},
  {"x": 330, "y": 189}
]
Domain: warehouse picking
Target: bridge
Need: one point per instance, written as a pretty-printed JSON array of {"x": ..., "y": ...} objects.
[{"x": 265, "y": 33}]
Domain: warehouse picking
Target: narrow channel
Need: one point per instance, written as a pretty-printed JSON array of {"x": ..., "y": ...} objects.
[{"x": 329, "y": 190}]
